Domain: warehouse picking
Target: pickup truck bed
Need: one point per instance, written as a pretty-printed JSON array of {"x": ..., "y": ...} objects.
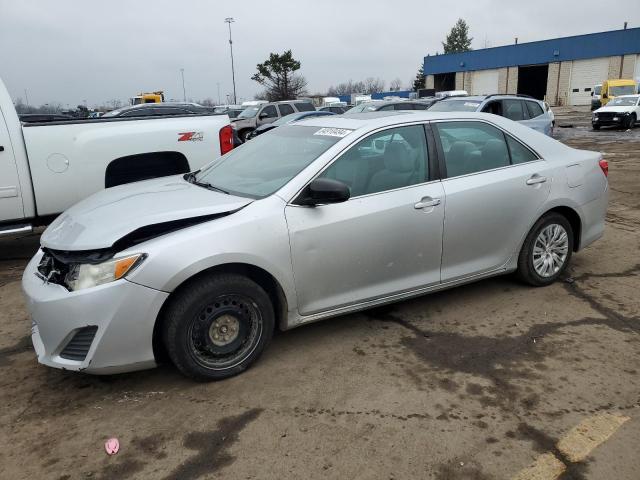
[{"x": 47, "y": 167}]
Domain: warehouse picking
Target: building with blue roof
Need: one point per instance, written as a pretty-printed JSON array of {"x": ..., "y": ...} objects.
[{"x": 562, "y": 71}]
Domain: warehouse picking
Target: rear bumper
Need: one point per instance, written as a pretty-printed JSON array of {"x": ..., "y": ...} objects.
[
  {"x": 123, "y": 312},
  {"x": 593, "y": 219}
]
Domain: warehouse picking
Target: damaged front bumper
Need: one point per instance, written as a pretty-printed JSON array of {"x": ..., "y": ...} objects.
[{"x": 102, "y": 330}]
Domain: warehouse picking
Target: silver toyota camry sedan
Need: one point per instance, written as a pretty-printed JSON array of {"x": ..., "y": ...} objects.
[{"x": 312, "y": 220}]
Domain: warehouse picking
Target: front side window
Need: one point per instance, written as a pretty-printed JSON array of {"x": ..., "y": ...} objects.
[
  {"x": 403, "y": 106},
  {"x": 285, "y": 109},
  {"x": 269, "y": 112},
  {"x": 385, "y": 160},
  {"x": 262, "y": 166},
  {"x": 471, "y": 147},
  {"x": 513, "y": 110},
  {"x": 249, "y": 112}
]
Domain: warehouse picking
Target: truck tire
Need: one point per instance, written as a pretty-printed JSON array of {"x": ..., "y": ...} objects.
[
  {"x": 243, "y": 134},
  {"x": 217, "y": 326}
]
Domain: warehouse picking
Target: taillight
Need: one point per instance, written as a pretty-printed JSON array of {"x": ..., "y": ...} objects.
[
  {"x": 226, "y": 139},
  {"x": 604, "y": 165}
]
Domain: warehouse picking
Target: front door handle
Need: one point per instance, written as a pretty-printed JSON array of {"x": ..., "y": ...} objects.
[
  {"x": 535, "y": 179},
  {"x": 427, "y": 202}
]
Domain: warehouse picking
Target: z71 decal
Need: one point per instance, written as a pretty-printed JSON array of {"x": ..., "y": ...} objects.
[{"x": 191, "y": 137}]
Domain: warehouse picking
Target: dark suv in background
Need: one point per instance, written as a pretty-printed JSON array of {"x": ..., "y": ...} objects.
[{"x": 254, "y": 116}]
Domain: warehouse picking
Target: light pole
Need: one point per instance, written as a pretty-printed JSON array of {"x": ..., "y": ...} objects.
[
  {"x": 26, "y": 96},
  {"x": 230, "y": 20},
  {"x": 184, "y": 92},
  {"x": 218, "y": 84}
]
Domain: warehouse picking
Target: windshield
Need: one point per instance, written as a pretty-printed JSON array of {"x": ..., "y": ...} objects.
[
  {"x": 624, "y": 101},
  {"x": 249, "y": 112},
  {"x": 597, "y": 90},
  {"x": 455, "y": 106},
  {"x": 363, "y": 107},
  {"x": 262, "y": 166},
  {"x": 622, "y": 90}
]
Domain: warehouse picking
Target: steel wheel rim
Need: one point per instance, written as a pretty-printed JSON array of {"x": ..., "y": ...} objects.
[
  {"x": 550, "y": 250},
  {"x": 213, "y": 343}
]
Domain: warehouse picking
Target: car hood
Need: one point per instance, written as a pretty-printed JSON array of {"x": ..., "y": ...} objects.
[
  {"x": 616, "y": 109},
  {"x": 107, "y": 217}
]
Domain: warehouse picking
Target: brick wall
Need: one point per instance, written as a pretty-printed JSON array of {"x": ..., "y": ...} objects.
[
  {"x": 459, "y": 85},
  {"x": 468, "y": 82},
  {"x": 512, "y": 76},
  {"x": 430, "y": 81},
  {"x": 558, "y": 83},
  {"x": 502, "y": 80},
  {"x": 628, "y": 66},
  {"x": 615, "y": 63}
]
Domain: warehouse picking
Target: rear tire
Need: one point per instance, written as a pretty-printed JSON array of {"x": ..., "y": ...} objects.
[
  {"x": 596, "y": 127},
  {"x": 546, "y": 251},
  {"x": 218, "y": 326}
]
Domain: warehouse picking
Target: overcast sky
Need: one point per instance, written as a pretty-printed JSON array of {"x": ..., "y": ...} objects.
[{"x": 68, "y": 51}]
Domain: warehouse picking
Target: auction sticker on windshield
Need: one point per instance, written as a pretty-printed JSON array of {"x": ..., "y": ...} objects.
[{"x": 334, "y": 132}]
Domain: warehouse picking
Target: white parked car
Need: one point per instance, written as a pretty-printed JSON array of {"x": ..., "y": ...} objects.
[
  {"x": 47, "y": 167},
  {"x": 622, "y": 111},
  {"x": 312, "y": 220}
]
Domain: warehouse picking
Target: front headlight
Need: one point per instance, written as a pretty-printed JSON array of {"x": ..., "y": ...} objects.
[{"x": 86, "y": 275}]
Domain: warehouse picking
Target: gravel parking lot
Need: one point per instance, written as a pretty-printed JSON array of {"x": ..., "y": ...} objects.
[{"x": 492, "y": 380}]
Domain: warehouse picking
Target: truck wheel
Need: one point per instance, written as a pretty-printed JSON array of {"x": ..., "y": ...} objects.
[
  {"x": 217, "y": 326},
  {"x": 243, "y": 134},
  {"x": 596, "y": 127},
  {"x": 546, "y": 251},
  {"x": 630, "y": 121}
]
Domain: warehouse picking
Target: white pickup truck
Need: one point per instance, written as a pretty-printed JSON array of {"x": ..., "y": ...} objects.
[{"x": 47, "y": 167}]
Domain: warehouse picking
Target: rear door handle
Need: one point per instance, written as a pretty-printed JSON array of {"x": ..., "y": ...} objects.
[
  {"x": 427, "y": 202},
  {"x": 535, "y": 179}
]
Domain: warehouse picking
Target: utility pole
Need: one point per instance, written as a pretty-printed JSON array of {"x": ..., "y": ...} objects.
[
  {"x": 26, "y": 97},
  {"x": 184, "y": 92},
  {"x": 218, "y": 84},
  {"x": 230, "y": 20}
]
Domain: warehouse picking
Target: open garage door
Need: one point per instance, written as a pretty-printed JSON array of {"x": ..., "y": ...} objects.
[
  {"x": 485, "y": 82},
  {"x": 584, "y": 75}
]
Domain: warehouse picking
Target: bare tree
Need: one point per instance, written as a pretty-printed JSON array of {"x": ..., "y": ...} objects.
[
  {"x": 395, "y": 85},
  {"x": 373, "y": 85},
  {"x": 207, "y": 102}
]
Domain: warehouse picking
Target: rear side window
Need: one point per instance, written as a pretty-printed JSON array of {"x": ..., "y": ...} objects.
[
  {"x": 420, "y": 106},
  {"x": 403, "y": 106},
  {"x": 304, "y": 106},
  {"x": 514, "y": 110},
  {"x": 138, "y": 112},
  {"x": 471, "y": 147},
  {"x": 386, "y": 108},
  {"x": 535, "y": 110},
  {"x": 285, "y": 109},
  {"x": 519, "y": 153},
  {"x": 269, "y": 111}
]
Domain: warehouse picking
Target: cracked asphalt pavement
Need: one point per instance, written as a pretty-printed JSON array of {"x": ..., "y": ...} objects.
[{"x": 478, "y": 382}]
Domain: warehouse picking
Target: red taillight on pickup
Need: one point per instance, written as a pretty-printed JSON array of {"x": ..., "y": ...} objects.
[
  {"x": 226, "y": 139},
  {"x": 604, "y": 165}
]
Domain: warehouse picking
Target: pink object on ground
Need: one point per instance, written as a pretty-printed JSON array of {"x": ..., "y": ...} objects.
[{"x": 112, "y": 446}]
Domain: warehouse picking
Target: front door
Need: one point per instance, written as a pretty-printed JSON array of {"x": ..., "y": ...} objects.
[
  {"x": 10, "y": 198},
  {"x": 494, "y": 188},
  {"x": 386, "y": 239}
]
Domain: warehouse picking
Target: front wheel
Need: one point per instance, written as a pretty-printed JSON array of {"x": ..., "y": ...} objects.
[
  {"x": 546, "y": 251},
  {"x": 630, "y": 121},
  {"x": 595, "y": 126},
  {"x": 244, "y": 135},
  {"x": 217, "y": 326}
]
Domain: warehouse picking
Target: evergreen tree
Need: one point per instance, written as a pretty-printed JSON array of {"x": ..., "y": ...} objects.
[
  {"x": 458, "y": 39},
  {"x": 420, "y": 80}
]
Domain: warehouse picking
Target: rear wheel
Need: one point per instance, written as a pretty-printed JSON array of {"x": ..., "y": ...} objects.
[
  {"x": 546, "y": 251},
  {"x": 217, "y": 326}
]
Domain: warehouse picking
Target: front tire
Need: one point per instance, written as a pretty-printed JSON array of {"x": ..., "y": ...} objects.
[
  {"x": 596, "y": 127},
  {"x": 630, "y": 121},
  {"x": 217, "y": 326},
  {"x": 546, "y": 251}
]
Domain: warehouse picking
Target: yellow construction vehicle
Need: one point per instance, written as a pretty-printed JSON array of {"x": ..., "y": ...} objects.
[{"x": 151, "y": 97}]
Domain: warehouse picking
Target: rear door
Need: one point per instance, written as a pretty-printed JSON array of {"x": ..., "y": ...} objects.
[
  {"x": 268, "y": 114},
  {"x": 537, "y": 118},
  {"x": 494, "y": 187},
  {"x": 11, "y": 207}
]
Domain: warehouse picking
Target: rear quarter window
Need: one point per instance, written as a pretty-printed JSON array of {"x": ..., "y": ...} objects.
[
  {"x": 304, "y": 107},
  {"x": 535, "y": 110}
]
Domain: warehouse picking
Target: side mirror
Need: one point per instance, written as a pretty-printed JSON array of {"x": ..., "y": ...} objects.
[
  {"x": 262, "y": 115},
  {"x": 592, "y": 94},
  {"x": 322, "y": 191}
]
